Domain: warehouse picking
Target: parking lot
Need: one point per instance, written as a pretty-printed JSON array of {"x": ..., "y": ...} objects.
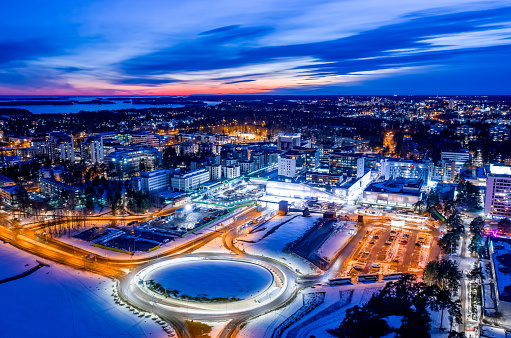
[{"x": 384, "y": 249}]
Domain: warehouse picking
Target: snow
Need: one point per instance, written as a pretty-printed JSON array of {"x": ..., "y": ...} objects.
[
  {"x": 435, "y": 324},
  {"x": 58, "y": 301},
  {"x": 213, "y": 279},
  {"x": 216, "y": 327},
  {"x": 326, "y": 316},
  {"x": 501, "y": 250},
  {"x": 214, "y": 246},
  {"x": 273, "y": 245},
  {"x": 336, "y": 241},
  {"x": 492, "y": 332}
]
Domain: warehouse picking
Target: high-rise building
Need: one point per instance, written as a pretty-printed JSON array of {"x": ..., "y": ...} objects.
[
  {"x": 287, "y": 166},
  {"x": 497, "y": 202},
  {"x": 231, "y": 171},
  {"x": 215, "y": 171},
  {"x": 91, "y": 150},
  {"x": 60, "y": 147}
]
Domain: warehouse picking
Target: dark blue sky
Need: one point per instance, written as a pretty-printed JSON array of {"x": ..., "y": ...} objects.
[{"x": 198, "y": 46}]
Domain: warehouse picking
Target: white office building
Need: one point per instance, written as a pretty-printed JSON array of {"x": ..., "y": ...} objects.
[
  {"x": 190, "y": 181},
  {"x": 287, "y": 167},
  {"x": 498, "y": 192},
  {"x": 152, "y": 181}
]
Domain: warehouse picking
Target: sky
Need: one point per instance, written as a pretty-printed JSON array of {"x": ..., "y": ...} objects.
[{"x": 169, "y": 47}]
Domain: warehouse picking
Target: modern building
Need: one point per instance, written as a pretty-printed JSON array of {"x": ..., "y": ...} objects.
[
  {"x": 497, "y": 202},
  {"x": 344, "y": 163},
  {"x": 465, "y": 130},
  {"x": 129, "y": 161},
  {"x": 399, "y": 192},
  {"x": 152, "y": 181},
  {"x": 190, "y": 181},
  {"x": 286, "y": 141},
  {"x": 436, "y": 129},
  {"x": 5, "y": 181},
  {"x": 452, "y": 162},
  {"x": 12, "y": 195},
  {"x": 247, "y": 167},
  {"x": 60, "y": 147},
  {"x": 231, "y": 171},
  {"x": 323, "y": 178},
  {"x": 395, "y": 168},
  {"x": 144, "y": 138},
  {"x": 287, "y": 166},
  {"x": 463, "y": 156},
  {"x": 91, "y": 150},
  {"x": 499, "y": 133},
  {"x": 53, "y": 189},
  {"x": 215, "y": 171}
]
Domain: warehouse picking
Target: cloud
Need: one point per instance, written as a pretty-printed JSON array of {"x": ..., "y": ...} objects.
[
  {"x": 238, "y": 46},
  {"x": 239, "y": 81}
]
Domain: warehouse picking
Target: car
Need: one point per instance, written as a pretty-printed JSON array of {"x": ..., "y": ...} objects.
[
  {"x": 418, "y": 244},
  {"x": 376, "y": 236},
  {"x": 388, "y": 242},
  {"x": 393, "y": 231},
  {"x": 403, "y": 242},
  {"x": 406, "y": 235},
  {"x": 358, "y": 267},
  {"x": 371, "y": 242}
]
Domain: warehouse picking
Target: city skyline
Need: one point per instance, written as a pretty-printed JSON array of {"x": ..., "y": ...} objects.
[{"x": 161, "y": 48}]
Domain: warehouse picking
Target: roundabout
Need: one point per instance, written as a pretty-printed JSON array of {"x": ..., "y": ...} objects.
[
  {"x": 210, "y": 281},
  {"x": 208, "y": 286}
]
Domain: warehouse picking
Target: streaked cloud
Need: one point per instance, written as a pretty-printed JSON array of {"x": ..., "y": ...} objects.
[{"x": 168, "y": 47}]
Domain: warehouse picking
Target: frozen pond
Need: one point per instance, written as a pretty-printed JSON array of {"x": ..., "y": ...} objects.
[{"x": 212, "y": 280}]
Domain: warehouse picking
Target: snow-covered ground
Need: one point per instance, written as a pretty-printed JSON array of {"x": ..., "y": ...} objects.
[
  {"x": 336, "y": 241},
  {"x": 275, "y": 241},
  {"x": 326, "y": 316},
  {"x": 58, "y": 301},
  {"x": 501, "y": 249},
  {"x": 214, "y": 246},
  {"x": 216, "y": 327}
]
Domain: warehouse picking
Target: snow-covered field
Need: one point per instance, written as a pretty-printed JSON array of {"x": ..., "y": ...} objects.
[
  {"x": 58, "y": 301},
  {"x": 214, "y": 246},
  {"x": 326, "y": 316},
  {"x": 272, "y": 246},
  {"x": 336, "y": 241},
  {"x": 213, "y": 278}
]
